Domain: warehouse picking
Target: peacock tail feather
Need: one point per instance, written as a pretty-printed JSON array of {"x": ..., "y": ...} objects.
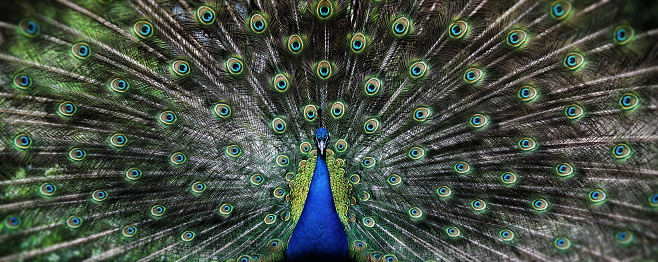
[{"x": 340, "y": 130}]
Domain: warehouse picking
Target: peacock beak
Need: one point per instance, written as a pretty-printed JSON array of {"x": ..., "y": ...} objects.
[{"x": 321, "y": 146}]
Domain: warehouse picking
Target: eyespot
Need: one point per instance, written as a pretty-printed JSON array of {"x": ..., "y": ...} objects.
[
  {"x": 205, "y": 15},
  {"x": 274, "y": 245},
  {"x": 364, "y": 196},
  {"x": 80, "y": 50},
  {"x": 508, "y": 178},
  {"x": 258, "y": 23},
  {"x": 257, "y": 179},
  {"x": 354, "y": 179},
  {"x": 516, "y": 38},
  {"x": 29, "y": 27},
  {"x": 74, "y": 222},
  {"x": 418, "y": 69},
  {"x": 99, "y": 195},
  {"x": 621, "y": 151},
  {"x": 233, "y": 150},
  {"x": 198, "y": 187},
  {"x": 390, "y": 258},
  {"x": 22, "y": 141},
  {"x": 422, "y": 114},
  {"x": 368, "y": 162},
  {"x": 269, "y": 219},
  {"x": 279, "y": 192},
  {"x": 564, "y": 169},
  {"x": 351, "y": 218},
  {"x": 222, "y": 110},
  {"x": 22, "y": 81},
  {"x": 133, "y": 173},
  {"x": 119, "y": 85},
  {"x": 341, "y": 145},
  {"x": 47, "y": 189},
  {"x": 77, "y": 154},
  {"x": 178, "y": 158},
  {"x": 280, "y": 82},
  {"x": 143, "y": 29},
  {"x": 279, "y": 126},
  {"x": 527, "y": 144},
  {"x": 416, "y": 153},
  {"x": 285, "y": 216},
  {"x": 574, "y": 60},
  {"x": 67, "y": 108},
  {"x": 562, "y": 243},
  {"x": 129, "y": 231},
  {"x": 415, "y": 212},
  {"x": 12, "y": 221},
  {"x": 234, "y": 65},
  {"x": 324, "y": 69},
  {"x": 479, "y": 120},
  {"x": 225, "y": 209},
  {"x": 453, "y": 231},
  {"x": 624, "y": 237},
  {"x": 244, "y": 258},
  {"x": 458, "y": 29},
  {"x": 527, "y": 93},
  {"x": 394, "y": 180},
  {"x": 282, "y": 160},
  {"x": 540, "y": 204},
  {"x": 368, "y": 221},
  {"x": 167, "y": 117},
  {"x": 574, "y": 111},
  {"x": 506, "y": 235},
  {"x": 444, "y": 191},
  {"x": 560, "y": 9},
  {"x": 338, "y": 109},
  {"x": 371, "y": 125},
  {"x": 375, "y": 256},
  {"x": 324, "y": 9},
  {"x": 473, "y": 75},
  {"x": 295, "y": 43},
  {"x": 158, "y": 210},
  {"x": 310, "y": 112},
  {"x": 653, "y": 200},
  {"x": 187, "y": 236},
  {"x": 462, "y": 167},
  {"x": 401, "y": 26},
  {"x": 290, "y": 176},
  {"x": 629, "y": 101},
  {"x": 180, "y": 67},
  {"x": 478, "y": 205},
  {"x": 623, "y": 35},
  {"x": 359, "y": 246},
  {"x": 597, "y": 195},
  {"x": 358, "y": 42},
  {"x": 118, "y": 140},
  {"x": 372, "y": 86},
  {"x": 305, "y": 147}
]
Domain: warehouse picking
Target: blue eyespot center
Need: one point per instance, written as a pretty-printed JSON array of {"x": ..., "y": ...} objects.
[
  {"x": 324, "y": 11},
  {"x": 145, "y": 29},
  {"x": 456, "y": 30},
  {"x": 324, "y": 71},
  {"x": 525, "y": 93},
  {"x": 83, "y": 50},
  {"x": 419, "y": 114},
  {"x": 296, "y": 45},
  {"x": 182, "y": 68},
  {"x": 626, "y": 101},
  {"x": 621, "y": 34},
  {"x": 31, "y": 27},
  {"x": 357, "y": 44},
  {"x": 281, "y": 84},
  {"x": 79, "y": 153},
  {"x": 514, "y": 38},
  {"x": 399, "y": 28},
  {"x": 571, "y": 60},
  {"x": 207, "y": 16},
  {"x": 236, "y": 67},
  {"x": 371, "y": 88},
  {"x": 416, "y": 70},
  {"x": 558, "y": 10},
  {"x": 25, "y": 80}
]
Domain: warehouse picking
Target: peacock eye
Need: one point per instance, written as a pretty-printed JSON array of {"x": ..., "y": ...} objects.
[
  {"x": 540, "y": 204},
  {"x": 574, "y": 60},
  {"x": 479, "y": 120},
  {"x": 401, "y": 26},
  {"x": 458, "y": 29},
  {"x": 256, "y": 179},
  {"x": 77, "y": 154},
  {"x": 338, "y": 110},
  {"x": 324, "y": 69},
  {"x": 418, "y": 69},
  {"x": 279, "y": 125},
  {"x": 368, "y": 162},
  {"x": 180, "y": 67},
  {"x": 187, "y": 236},
  {"x": 324, "y": 9},
  {"x": 129, "y": 231},
  {"x": 394, "y": 180},
  {"x": 359, "y": 246},
  {"x": 444, "y": 191},
  {"x": 623, "y": 35},
  {"x": 574, "y": 112},
  {"x": 415, "y": 212},
  {"x": 177, "y": 158},
  {"x": 206, "y": 15},
  {"x": 390, "y": 258},
  {"x": 506, "y": 235},
  {"x": 341, "y": 145},
  {"x": 279, "y": 192},
  {"x": 99, "y": 195},
  {"x": 274, "y": 245},
  {"x": 233, "y": 150},
  {"x": 422, "y": 114},
  {"x": 462, "y": 167},
  {"x": 143, "y": 29},
  {"x": 516, "y": 38},
  {"x": 22, "y": 141},
  {"x": 282, "y": 160},
  {"x": 527, "y": 93},
  {"x": 305, "y": 147},
  {"x": 564, "y": 169},
  {"x": 358, "y": 42},
  {"x": 225, "y": 209},
  {"x": 621, "y": 151},
  {"x": 295, "y": 43},
  {"x": 258, "y": 23},
  {"x": 158, "y": 210},
  {"x": 29, "y": 27},
  {"x": 368, "y": 221},
  {"x": 167, "y": 117},
  {"x": 81, "y": 50},
  {"x": 453, "y": 231},
  {"x": 133, "y": 173},
  {"x": 597, "y": 195},
  {"x": 22, "y": 81},
  {"x": 371, "y": 126},
  {"x": 270, "y": 219},
  {"x": 47, "y": 189},
  {"x": 310, "y": 112},
  {"x": 354, "y": 179},
  {"x": 74, "y": 222},
  {"x": 562, "y": 243},
  {"x": 280, "y": 82},
  {"x": 372, "y": 86},
  {"x": 234, "y": 65},
  {"x": 560, "y": 9},
  {"x": 629, "y": 101},
  {"x": 118, "y": 85},
  {"x": 508, "y": 177},
  {"x": 198, "y": 187},
  {"x": 118, "y": 140},
  {"x": 416, "y": 153},
  {"x": 527, "y": 144},
  {"x": 624, "y": 237},
  {"x": 473, "y": 75}
]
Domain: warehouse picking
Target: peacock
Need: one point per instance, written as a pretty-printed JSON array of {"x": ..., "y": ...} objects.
[{"x": 328, "y": 130}]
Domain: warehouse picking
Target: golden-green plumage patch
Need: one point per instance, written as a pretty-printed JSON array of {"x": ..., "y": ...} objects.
[{"x": 300, "y": 185}]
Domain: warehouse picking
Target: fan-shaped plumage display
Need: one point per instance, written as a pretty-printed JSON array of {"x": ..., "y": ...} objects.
[{"x": 328, "y": 130}]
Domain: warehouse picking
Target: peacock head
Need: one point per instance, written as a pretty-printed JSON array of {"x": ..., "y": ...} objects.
[{"x": 322, "y": 139}]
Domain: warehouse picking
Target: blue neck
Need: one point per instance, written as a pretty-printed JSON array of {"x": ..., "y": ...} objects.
[{"x": 319, "y": 234}]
